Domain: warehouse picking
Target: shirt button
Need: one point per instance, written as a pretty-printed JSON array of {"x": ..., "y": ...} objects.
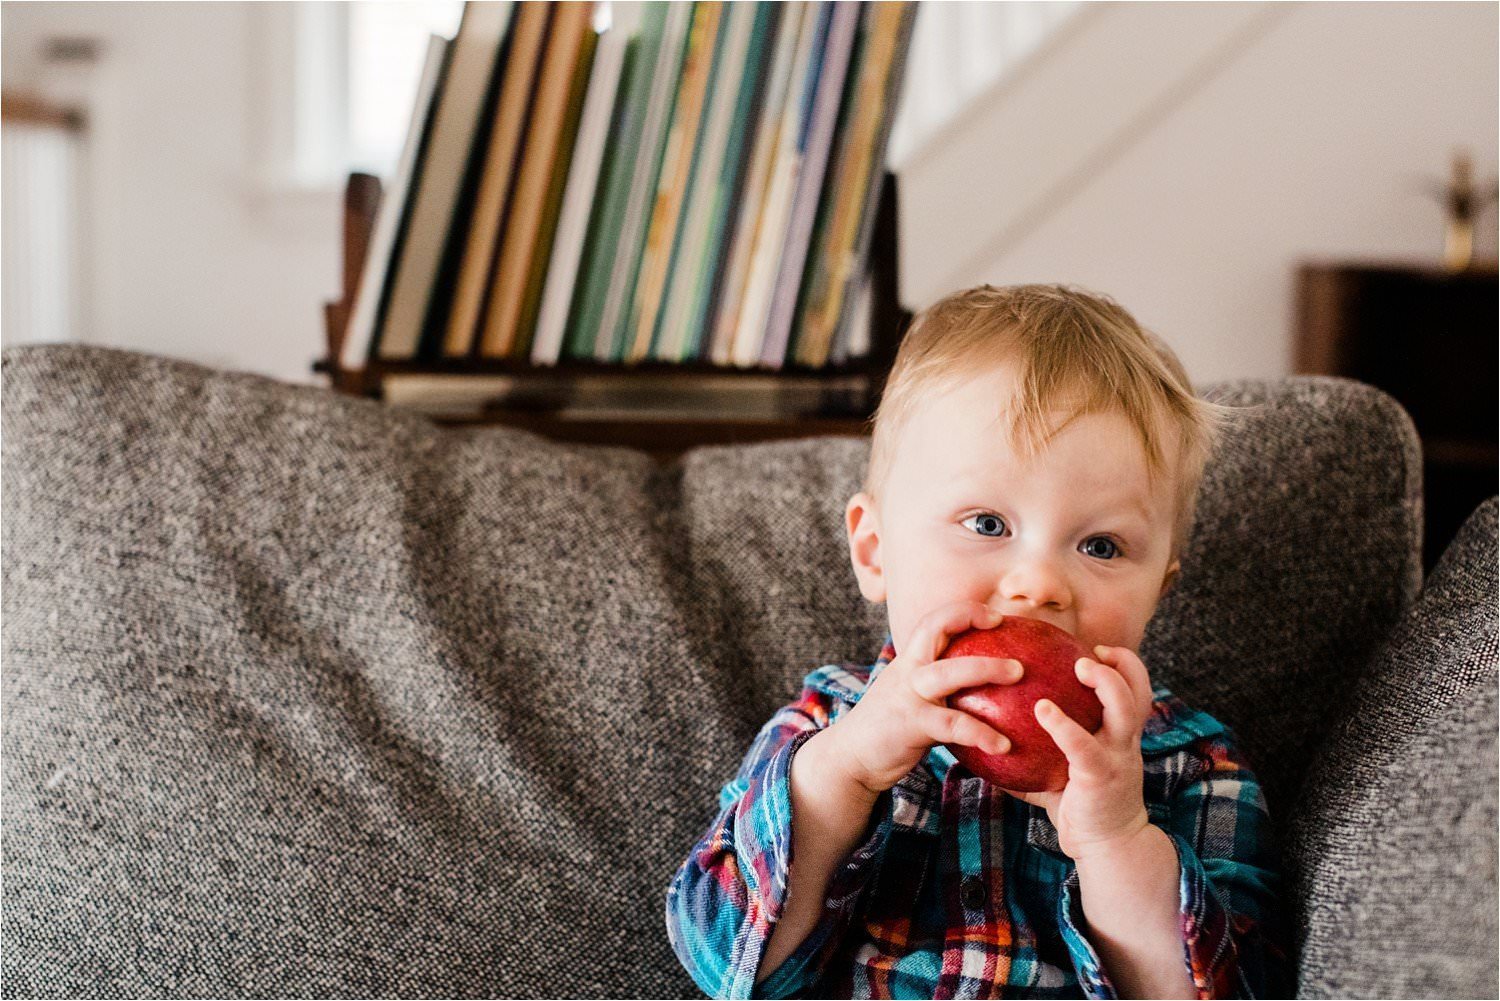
[{"x": 972, "y": 893}]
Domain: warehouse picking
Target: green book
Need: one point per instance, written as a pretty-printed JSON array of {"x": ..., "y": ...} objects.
[
  {"x": 612, "y": 193},
  {"x": 658, "y": 104},
  {"x": 727, "y": 66},
  {"x": 578, "y": 338},
  {"x": 731, "y": 179}
]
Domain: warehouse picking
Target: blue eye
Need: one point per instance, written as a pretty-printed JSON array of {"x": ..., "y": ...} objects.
[
  {"x": 991, "y": 526},
  {"x": 1100, "y": 547}
]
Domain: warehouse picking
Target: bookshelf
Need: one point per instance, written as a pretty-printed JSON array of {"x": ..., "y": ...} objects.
[
  {"x": 662, "y": 392},
  {"x": 853, "y": 389},
  {"x": 1425, "y": 335}
]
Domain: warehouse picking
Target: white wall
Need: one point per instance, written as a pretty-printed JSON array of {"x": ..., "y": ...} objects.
[
  {"x": 1315, "y": 140},
  {"x": 188, "y": 254}
]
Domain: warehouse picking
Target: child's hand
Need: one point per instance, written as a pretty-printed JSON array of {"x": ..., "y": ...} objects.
[
  {"x": 904, "y": 713},
  {"x": 1103, "y": 804}
]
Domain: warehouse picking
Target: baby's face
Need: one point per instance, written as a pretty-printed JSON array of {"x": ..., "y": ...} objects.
[{"x": 1077, "y": 536}]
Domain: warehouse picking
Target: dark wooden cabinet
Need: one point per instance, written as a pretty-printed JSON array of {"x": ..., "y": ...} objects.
[{"x": 1428, "y": 337}]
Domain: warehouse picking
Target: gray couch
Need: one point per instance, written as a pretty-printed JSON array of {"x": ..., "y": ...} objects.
[{"x": 302, "y": 696}]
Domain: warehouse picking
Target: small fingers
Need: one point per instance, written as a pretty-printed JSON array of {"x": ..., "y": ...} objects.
[
  {"x": 1081, "y": 748},
  {"x": 1133, "y": 670},
  {"x": 930, "y": 637},
  {"x": 952, "y": 726},
  {"x": 940, "y": 679},
  {"x": 1122, "y": 720}
]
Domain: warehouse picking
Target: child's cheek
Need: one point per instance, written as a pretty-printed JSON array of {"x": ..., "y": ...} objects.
[{"x": 1115, "y": 626}]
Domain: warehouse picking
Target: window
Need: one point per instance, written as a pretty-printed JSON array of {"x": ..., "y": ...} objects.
[
  {"x": 342, "y": 77},
  {"x": 338, "y": 82},
  {"x": 385, "y": 46}
]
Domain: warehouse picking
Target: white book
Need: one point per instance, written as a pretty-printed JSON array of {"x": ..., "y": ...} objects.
[
  {"x": 763, "y": 157},
  {"x": 456, "y": 123},
  {"x": 643, "y": 183},
  {"x": 704, "y": 183},
  {"x": 583, "y": 179},
  {"x": 765, "y": 261},
  {"x": 362, "y": 320}
]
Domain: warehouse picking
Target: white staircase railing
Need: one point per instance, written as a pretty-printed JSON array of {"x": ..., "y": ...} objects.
[
  {"x": 1019, "y": 150},
  {"x": 959, "y": 51}
]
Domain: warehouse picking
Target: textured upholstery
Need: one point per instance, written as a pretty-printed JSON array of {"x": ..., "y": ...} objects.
[
  {"x": 1406, "y": 788},
  {"x": 303, "y": 696}
]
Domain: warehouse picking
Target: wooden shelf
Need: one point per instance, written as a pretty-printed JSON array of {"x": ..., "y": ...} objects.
[
  {"x": 835, "y": 399},
  {"x": 566, "y": 368},
  {"x": 663, "y": 439},
  {"x": 1426, "y": 269}
]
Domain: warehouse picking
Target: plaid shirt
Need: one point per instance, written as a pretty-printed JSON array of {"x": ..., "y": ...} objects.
[{"x": 959, "y": 890}]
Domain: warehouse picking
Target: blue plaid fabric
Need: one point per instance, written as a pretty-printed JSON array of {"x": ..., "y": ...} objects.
[{"x": 959, "y": 890}]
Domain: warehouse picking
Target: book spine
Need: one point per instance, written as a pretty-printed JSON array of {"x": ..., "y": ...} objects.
[
  {"x": 747, "y": 214},
  {"x": 542, "y": 260},
  {"x": 585, "y": 179},
  {"x": 468, "y": 79},
  {"x": 731, "y": 183},
  {"x": 513, "y": 264},
  {"x": 360, "y": 344},
  {"x": 621, "y": 155},
  {"x": 864, "y": 150},
  {"x": 857, "y": 269},
  {"x": 670, "y": 337},
  {"x": 676, "y": 175},
  {"x": 770, "y": 237},
  {"x": 855, "y": 109},
  {"x": 492, "y": 203},
  {"x": 819, "y": 139},
  {"x": 614, "y": 326}
]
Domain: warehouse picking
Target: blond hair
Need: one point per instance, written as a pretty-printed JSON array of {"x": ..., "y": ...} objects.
[{"x": 1077, "y": 353}]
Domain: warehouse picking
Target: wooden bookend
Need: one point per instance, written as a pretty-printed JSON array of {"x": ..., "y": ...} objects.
[{"x": 361, "y": 202}]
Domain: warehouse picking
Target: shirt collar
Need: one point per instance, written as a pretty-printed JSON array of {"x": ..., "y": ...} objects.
[{"x": 887, "y": 654}]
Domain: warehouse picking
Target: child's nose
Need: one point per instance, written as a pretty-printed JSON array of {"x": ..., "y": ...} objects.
[{"x": 1035, "y": 583}]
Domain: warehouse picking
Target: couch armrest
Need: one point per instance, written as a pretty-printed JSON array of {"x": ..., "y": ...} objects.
[{"x": 1393, "y": 847}]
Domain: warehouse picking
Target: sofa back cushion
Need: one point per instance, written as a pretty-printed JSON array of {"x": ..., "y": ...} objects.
[
  {"x": 1406, "y": 788},
  {"x": 305, "y": 696}
]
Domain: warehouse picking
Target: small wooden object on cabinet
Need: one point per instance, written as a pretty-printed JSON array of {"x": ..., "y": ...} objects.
[
  {"x": 1428, "y": 337},
  {"x": 661, "y": 437}
]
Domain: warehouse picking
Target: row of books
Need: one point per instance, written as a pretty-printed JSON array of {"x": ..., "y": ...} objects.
[{"x": 621, "y": 182}]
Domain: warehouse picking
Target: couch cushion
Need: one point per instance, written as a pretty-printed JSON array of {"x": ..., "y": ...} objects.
[
  {"x": 304, "y": 696},
  {"x": 1406, "y": 788},
  {"x": 1304, "y": 553}
]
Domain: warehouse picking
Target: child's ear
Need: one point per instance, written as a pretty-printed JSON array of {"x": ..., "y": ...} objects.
[
  {"x": 1174, "y": 570},
  {"x": 863, "y": 525}
]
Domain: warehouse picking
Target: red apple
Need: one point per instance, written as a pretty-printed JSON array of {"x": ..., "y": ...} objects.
[{"x": 1047, "y": 655}]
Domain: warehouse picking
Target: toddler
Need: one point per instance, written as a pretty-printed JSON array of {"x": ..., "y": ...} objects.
[{"x": 1036, "y": 453}]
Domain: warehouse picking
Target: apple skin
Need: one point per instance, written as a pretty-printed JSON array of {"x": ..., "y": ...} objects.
[{"x": 1048, "y": 656}]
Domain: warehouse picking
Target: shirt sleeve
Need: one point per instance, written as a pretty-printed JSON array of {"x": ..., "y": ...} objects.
[
  {"x": 726, "y": 898},
  {"x": 1233, "y": 939}
]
